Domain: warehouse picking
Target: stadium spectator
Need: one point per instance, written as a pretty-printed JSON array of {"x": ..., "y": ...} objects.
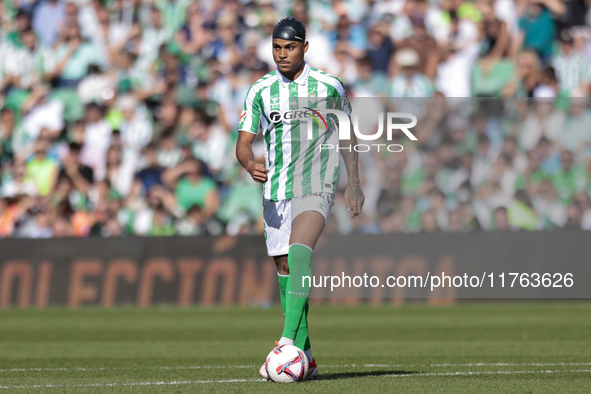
[
  {"x": 583, "y": 200},
  {"x": 41, "y": 112},
  {"x": 548, "y": 82},
  {"x": 409, "y": 81},
  {"x": 352, "y": 36},
  {"x": 527, "y": 77},
  {"x": 142, "y": 90},
  {"x": 7, "y": 126},
  {"x": 424, "y": 45},
  {"x": 62, "y": 228},
  {"x": 552, "y": 212},
  {"x": 151, "y": 174},
  {"x": 42, "y": 170},
  {"x": 543, "y": 121},
  {"x": 29, "y": 65},
  {"x": 573, "y": 216},
  {"x": 36, "y": 226},
  {"x": 22, "y": 22},
  {"x": 572, "y": 69},
  {"x": 136, "y": 130},
  {"x": 74, "y": 55},
  {"x": 454, "y": 69},
  {"x": 343, "y": 66},
  {"x": 47, "y": 19},
  {"x": 570, "y": 179},
  {"x": 368, "y": 83},
  {"x": 537, "y": 27},
  {"x": 531, "y": 177},
  {"x": 240, "y": 207},
  {"x": 438, "y": 207},
  {"x": 500, "y": 220},
  {"x": 494, "y": 33},
  {"x": 520, "y": 212},
  {"x": 549, "y": 155},
  {"x": 429, "y": 222},
  {"x": 210, "y": 143},
  {"x": 96, "y": 87},
  {"x": 574, "y": 136},
  {"x": 455, "y": 221},
  {"x": 80, "y": 175},
  {"x": 195, "y": 34},
  {"x": 14, "y": 212},
  {"x": 96, "y": 140},
  {"x": 168, "y": 153},
  {"x": 379, "y": 48},
  {"x": 157, "y": 217},
  {"x": 16, "y": 184},
  {"x": 493, "y": 79},
  {"x": 191, "y": 186},
  {"x": 193, "y": 224},
  {"x": 119, "y": 171}
]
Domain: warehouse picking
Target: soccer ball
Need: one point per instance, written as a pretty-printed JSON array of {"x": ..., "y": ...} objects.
[{"x": 286, "y": 364}]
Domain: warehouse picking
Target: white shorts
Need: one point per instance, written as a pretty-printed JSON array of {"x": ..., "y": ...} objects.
[{"x": 278, "y": 216}]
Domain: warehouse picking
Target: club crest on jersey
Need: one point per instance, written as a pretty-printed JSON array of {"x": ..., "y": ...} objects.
[
  {"x": 313, "y": 98},
  {"x": 293, "y": 103},
  {"x": 274, "y": 99}
]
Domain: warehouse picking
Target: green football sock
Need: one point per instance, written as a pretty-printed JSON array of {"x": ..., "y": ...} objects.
[
  {"x": 282, "y": 289},
  {"x": 298, "y": 292},
  {"x": 302, "y": 339}
]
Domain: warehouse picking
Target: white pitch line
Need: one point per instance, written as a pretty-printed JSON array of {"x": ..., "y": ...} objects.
[
  {"x": 123, "y": 368},
  {"x": 263, "y": 380},
  {"x": 482, "y": 373},
  {"x": 505, "y": 364},
  {"x": 323, "y": 366},
  {"x": 133, "y": 384}
]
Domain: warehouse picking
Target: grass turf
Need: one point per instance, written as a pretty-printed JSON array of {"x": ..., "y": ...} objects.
[{"x": 484, "y": 347}]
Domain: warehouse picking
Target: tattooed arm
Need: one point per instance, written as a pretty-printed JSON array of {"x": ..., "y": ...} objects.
[
  {"x": 246, "y": 157},
  {"x": 353, "y": 195}
]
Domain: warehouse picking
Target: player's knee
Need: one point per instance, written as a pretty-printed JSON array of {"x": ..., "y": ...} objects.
[
  {"x": 282, "y": 266},
  {"x": 283, "y": 269}
]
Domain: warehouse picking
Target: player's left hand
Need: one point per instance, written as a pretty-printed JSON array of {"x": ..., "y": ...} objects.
[{"x": 354, "y": 199}]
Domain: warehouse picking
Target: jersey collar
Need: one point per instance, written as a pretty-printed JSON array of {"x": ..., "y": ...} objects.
[{"x": 301, "y": 80}]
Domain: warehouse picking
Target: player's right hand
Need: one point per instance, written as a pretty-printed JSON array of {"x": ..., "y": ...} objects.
[{"x": 258, "y": 172}]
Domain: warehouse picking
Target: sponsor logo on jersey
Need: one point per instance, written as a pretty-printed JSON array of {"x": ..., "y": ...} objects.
[{"x": 275, "y": 116}]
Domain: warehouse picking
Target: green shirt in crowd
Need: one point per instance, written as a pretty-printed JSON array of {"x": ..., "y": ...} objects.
[
  {"x": 567, "y": 184},
  {"x": 535, "y": 178},
  {"x": 522, "y": 216},
  {"x": 41, "y": 173},
  {"x": 77, "y": 65},
  {"x": 189, "y": 194}
]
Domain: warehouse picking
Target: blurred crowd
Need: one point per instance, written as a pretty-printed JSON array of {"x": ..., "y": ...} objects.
[
  {"x": 118, "y": 116},
  {"x": 479, "y": 164}
]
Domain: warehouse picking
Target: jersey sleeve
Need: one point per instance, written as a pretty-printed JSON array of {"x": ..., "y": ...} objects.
[
  {"x": 250, "y": 117},
  {"x": 344, "y": 103}
]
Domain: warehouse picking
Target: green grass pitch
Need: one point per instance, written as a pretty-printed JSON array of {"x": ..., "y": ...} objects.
[{"x": 469, "y": 348}]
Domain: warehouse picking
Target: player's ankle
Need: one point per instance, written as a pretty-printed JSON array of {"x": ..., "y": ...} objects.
[{"x": 286, "y": 341}]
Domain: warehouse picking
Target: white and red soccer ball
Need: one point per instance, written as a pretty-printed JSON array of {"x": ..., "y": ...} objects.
[{"x": 286, "y": 364}]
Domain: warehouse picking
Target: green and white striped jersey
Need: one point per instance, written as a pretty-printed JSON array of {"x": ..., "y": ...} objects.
[
  {"x": 297, "y": 166},
  {"x": 31, "y": 67},
  {"x": 572, "y": 71}
]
